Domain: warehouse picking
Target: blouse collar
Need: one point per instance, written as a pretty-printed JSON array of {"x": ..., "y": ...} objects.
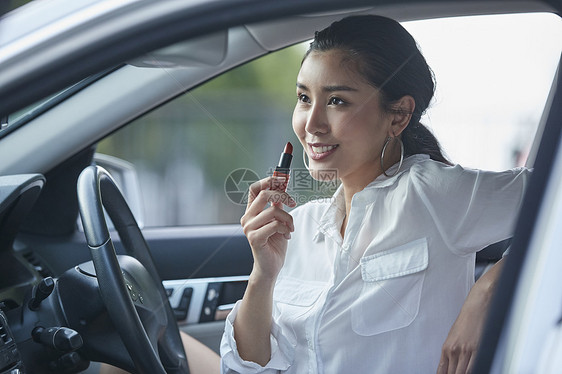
[{"x": 332, "y": 216}]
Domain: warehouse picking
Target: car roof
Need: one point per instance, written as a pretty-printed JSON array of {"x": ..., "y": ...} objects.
[{"x": 59, "y": 45}]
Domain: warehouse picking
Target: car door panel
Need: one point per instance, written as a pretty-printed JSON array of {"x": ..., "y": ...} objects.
[{"x": 205, "y": 271}]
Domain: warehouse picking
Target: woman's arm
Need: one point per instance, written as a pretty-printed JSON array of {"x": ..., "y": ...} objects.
[
  {"x": 470, "y": 208},
  {"x": 459, "y": 349},
  {"x": 267, "y": 230},
  {"x": 252, "y": 325}
]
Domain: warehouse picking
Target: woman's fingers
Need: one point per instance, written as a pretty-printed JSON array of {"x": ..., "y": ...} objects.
[
  {"x": 261, "y": 235},
  {"x": 267, "y": 196},
  {"x": 269, "y": 246},
  {"x": 267, "y": 216},
  {"x": 276, "y": 185},
  {"x": 269, "y": 183},
  {"x": 257, "y": 210},
  {"x": 470, "y": 365},
  {"x": 258, "y": 202},
  {"x": 452, "y": 367},
  {"x": 255, "y": 189},
  {"x": 455, "y": 360},
  {"x": 462, "y": 365},
  {"x": 443, "y": 365},
  {"x": 264, "y": 226}
]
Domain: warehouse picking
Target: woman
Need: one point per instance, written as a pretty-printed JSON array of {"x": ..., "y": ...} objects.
[{"x": 372, "y": 281}]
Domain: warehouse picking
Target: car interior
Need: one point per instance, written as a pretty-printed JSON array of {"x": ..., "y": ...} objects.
[{"x": 64, "y": 145}]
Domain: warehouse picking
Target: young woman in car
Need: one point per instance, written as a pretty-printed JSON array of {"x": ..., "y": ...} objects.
[{"x": 375, "y": 280}]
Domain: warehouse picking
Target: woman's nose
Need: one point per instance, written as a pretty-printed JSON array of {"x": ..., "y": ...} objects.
[{"x": 317, "y": 121}]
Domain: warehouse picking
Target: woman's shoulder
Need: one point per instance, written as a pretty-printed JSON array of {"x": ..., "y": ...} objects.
[
  {"x": 431, "y": 173},
  {"x": 428, "y": 165}
]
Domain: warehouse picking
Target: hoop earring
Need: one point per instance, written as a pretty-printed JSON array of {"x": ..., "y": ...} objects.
[
  {"x": 401, "y": 155},
  {"x": 304, "y": 155}
]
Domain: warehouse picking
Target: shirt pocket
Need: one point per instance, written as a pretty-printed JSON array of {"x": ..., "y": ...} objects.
[{"x": 391, "y": 288}]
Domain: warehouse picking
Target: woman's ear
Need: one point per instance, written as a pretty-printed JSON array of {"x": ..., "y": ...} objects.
[{"x": 402, "y": 113}]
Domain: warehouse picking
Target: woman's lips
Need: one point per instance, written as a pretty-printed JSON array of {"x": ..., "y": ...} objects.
[{"x": 320, "y": 151}]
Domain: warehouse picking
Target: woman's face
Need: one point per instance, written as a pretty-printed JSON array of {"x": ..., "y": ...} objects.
[{"x": 339, "y": 119}]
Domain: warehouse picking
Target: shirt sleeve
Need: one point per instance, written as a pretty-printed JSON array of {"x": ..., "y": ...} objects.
[
  {"x": 471, "y": 208},
  {"x": 282, "y": 352}
]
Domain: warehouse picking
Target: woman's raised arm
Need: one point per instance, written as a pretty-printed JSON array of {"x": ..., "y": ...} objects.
[{"x": 267, "y": 230}]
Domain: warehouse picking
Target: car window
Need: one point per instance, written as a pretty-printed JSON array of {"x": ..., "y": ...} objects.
[
  {"x": 493, "y": 77},
  {"x": 196, "y": 155},
  {"x": 229, "y": 131}
]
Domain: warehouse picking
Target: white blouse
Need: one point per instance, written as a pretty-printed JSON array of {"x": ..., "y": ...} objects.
[{"x": 383, "y": 298}]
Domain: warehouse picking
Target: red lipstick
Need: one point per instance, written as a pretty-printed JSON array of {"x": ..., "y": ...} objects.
[{"x": 284, "y": 167}]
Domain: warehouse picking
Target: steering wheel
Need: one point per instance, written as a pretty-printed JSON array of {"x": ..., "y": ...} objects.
[{"x": 153, "y": 341}]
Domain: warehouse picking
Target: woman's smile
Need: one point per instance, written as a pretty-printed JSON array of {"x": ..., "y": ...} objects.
[{"x": 320, "y": 151}]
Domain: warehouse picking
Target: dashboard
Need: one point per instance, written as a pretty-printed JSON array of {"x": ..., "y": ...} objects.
[{"x": 18, "y": 193}]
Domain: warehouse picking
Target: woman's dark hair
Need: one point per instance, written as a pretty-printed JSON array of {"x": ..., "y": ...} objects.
[{"x": 389, "y": 58}]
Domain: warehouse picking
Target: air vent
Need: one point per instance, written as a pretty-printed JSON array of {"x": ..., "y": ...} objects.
[
  {"x": 10, "y": 359},
  {"x": 5, "y": 338},
  {"x": 37, "y": 264}
]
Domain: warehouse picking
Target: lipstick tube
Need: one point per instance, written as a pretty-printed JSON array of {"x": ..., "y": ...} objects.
[{"x": 283, "y": 169}]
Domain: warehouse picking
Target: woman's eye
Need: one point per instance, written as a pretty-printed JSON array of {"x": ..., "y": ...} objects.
[
  {"x": 303, "y": 98},
  {"x": 335, "y": 101}
]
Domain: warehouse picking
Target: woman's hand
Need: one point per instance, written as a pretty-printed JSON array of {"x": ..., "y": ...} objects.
[
  {"x": 459, "y": 349},
  {"x": 268, "y": 229}
]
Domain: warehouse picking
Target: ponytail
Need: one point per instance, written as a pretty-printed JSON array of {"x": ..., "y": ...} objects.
[{"x": 418, "y": 139}]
